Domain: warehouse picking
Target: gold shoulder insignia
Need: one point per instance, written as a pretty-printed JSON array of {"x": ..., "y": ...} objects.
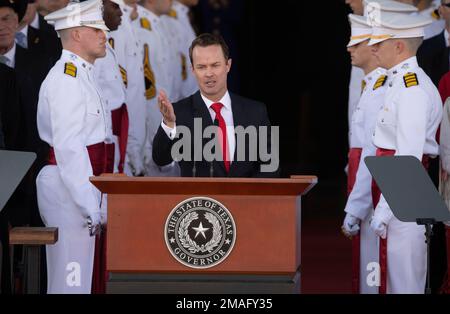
[
  {"x": 145, "y": 23},
  {"x": 149, "y": 76},
  {"x": 111, "y": 42},
  {"x": 410, "y": 79},
  {"x": 380, "y": 82},
  {"x": 173, "y": 13},
  {"x": 435, "y": 14},
  {"x": 70, "y": 69},
  {"x": 123, "y": 72}
]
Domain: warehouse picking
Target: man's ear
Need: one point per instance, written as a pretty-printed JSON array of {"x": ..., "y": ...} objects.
[
  {"x": 401, "y": 46},
  {"x": 229, "y": 64},
  {"x": 76, "y": 35}
]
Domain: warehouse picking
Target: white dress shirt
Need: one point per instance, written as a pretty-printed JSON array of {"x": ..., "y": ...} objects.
[{"x": 35, "y": 22}]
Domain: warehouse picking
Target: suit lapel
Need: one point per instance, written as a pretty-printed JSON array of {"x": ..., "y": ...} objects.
[{"x": 238, "y": 120}]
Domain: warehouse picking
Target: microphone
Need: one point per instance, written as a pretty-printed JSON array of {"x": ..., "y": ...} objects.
[
  {"x": 194, "y": 170},
  {"x": 211, "y": 163}
]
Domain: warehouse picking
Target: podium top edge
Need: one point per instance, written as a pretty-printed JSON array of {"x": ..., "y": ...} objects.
[
  {"x": 121, "y": 184},
  {"x": 124, "y": 178}
]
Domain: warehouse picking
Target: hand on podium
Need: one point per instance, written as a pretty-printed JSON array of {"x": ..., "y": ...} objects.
[{"x": 350, "y": 227}]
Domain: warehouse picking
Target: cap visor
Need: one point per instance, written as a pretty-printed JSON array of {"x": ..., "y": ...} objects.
[{"x": 354, "y": 42}]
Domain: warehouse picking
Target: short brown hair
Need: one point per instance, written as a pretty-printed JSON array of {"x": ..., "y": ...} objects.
[{"x": 206, "y": 40}]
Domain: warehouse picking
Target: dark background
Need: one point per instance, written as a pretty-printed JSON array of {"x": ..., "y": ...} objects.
[{"x": 292, "y": 56}]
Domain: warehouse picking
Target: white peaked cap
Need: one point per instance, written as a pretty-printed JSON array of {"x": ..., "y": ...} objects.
[
  {"x": 361, "y": 29},
  {"x": 88, "y": 13},
  {"x": 119, "y": 2},
  {"x": 388, "y": 6},
  {"x": 391, "y": 25}
]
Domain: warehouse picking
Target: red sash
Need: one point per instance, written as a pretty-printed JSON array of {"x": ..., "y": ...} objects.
[
  {"x": 354, "y": 156},
  {"x": 101, "y": 156},
  {"x": 376, "y": 194},
  {"x": 120, "y": 125}
]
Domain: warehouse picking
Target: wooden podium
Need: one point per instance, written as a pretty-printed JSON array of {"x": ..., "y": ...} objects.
[{"x": 266, "y": 253}]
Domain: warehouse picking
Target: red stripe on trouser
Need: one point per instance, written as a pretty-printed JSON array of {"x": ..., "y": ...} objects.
[
  {"x": 99, "y": 272},
  {"x": 376, "y": 193},
  {"x": 354, "y": 156},
  {"x": 120, "y": 124}
]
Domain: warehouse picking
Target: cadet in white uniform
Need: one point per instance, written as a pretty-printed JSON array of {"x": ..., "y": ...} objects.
[
  {"x": 111, "y": 79},
  {"x": 357, "y": 75},
  {"x": 438, "y": 24},
  {"x": 359, "y": 205},
  {"x": 130, "y": 55},
  {"x": 180, "y": 19},
  {"x": 159, "y": 76},
  {"x": 72, "y": 119},
  {"x": 406, "y": 125},
  {"x": 169, "y": 62}
]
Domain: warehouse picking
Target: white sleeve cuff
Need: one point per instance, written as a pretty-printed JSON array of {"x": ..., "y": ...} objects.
[{"x": 170, "y": 132}]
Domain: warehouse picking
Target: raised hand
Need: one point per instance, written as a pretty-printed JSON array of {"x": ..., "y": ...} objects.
[{"x": 166, "y": 109}]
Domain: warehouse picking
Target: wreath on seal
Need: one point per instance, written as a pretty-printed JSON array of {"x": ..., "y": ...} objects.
[{"x": 190, "y": 244}]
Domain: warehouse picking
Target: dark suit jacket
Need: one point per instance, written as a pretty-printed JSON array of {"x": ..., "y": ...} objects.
[
  {"x": 246, "y": 113},
  {"x": 44, "y": 41},
  {"x": 433, "y": 57},
  {"x": 31, "y": 70},
  {"x": 10, "y": 110}
]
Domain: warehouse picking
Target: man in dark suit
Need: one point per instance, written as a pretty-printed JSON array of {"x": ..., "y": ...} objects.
[
  {"x": 214, "y": 105},
  {"x": 37, "y": 35},
  {"x": 9, "y": 129},
  {"x": 433, "y": 57},
  {"x": 30, "y": 70}
]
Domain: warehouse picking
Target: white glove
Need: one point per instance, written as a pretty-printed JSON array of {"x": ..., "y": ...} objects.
[
  {"x": 378, "y": 226},
  {"x": 148, "y": 157},
  {"x": 136, "y": 164},
  {"x": 94, "y": 223},
  {"x": 350, "y": 226}
]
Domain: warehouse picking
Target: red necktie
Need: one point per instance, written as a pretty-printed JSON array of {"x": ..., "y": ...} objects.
[{"x": 223, "y": 140}]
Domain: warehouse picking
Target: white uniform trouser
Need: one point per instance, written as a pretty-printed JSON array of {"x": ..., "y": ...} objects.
[
  {"x": 70, "y": 260},
  {"x": 368, "y": 254},
  {"x": 406, "y": 258}
]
